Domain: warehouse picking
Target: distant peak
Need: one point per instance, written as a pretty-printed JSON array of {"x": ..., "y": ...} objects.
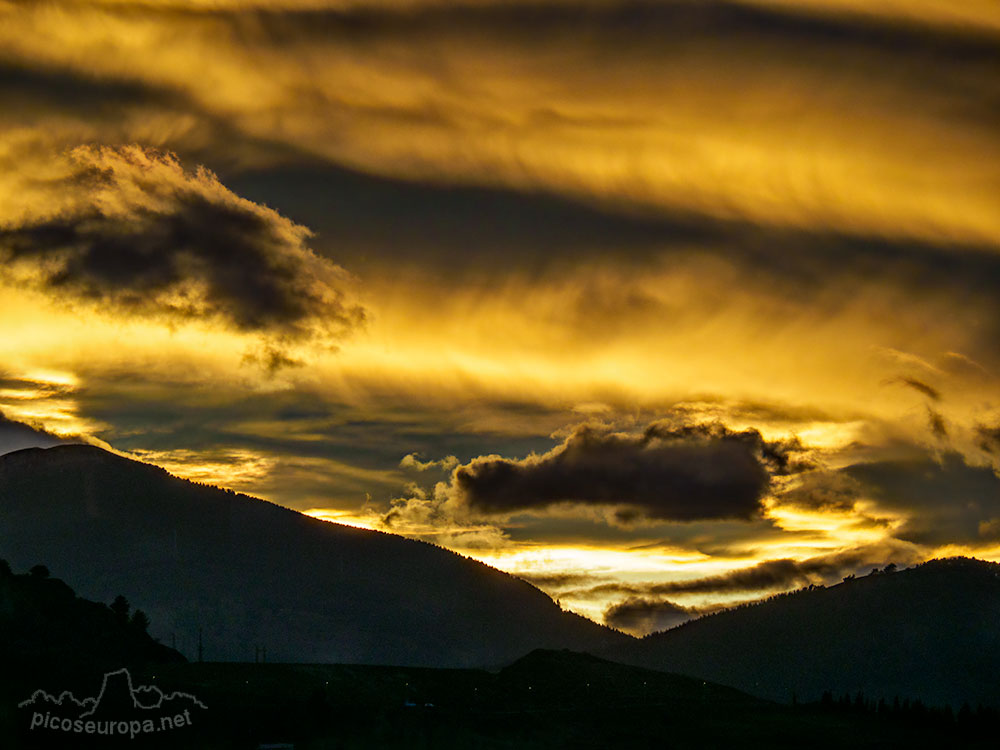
[
  {"x": 69, "y": 455},
  {"x": 554, "y": 656},
  {"x": 69, "y": 449}
]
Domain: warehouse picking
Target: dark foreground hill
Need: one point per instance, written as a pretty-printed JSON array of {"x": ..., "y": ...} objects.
[
  {"x": 930, "y": 633},
  {"x": 546, "y": 700},
  {"x": 53, "y": 641},
  {"x": 48, "y": 629},
  {"x": 246, "y": 573}
]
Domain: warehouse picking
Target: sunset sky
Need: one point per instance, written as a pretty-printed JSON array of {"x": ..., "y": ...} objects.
[{"x": 662, "y": 304}]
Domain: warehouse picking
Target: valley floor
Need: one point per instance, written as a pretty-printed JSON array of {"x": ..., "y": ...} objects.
[{"x": 546, "y": 700}]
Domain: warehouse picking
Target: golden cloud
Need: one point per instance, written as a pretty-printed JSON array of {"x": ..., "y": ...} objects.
[{"x": 891, "y": 144}]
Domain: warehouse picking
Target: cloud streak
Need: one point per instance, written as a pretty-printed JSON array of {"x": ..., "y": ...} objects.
[{"x": 769, "y": 575}]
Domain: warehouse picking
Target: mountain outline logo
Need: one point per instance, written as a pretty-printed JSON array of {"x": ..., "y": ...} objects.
[{"x": 119, "y": 708}]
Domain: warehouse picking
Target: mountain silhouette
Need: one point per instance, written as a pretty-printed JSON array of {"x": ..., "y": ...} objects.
[
  {"x": 928, "y": 633},
  {"x": 241, "y": 573}
]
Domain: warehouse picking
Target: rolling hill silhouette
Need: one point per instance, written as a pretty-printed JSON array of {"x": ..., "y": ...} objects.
[
  {"x": 928, "y": 633},
  {"x": 245, "y": 573}
]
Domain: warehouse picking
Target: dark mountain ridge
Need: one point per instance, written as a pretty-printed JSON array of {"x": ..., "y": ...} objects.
[
  {"x": 931, "y": 633},
  {"x": 246, "y": 573}
]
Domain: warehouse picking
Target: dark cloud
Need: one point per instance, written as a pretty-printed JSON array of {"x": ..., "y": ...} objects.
[
  {"x": 640, "y": 616},
  {"x": 667, "y": 472},
  {"x": 944, "y": 500},
  {"x": 131, "y": 231}
]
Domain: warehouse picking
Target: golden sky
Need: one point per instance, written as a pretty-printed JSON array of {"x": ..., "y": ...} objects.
[{"x": 661, "y": 305}]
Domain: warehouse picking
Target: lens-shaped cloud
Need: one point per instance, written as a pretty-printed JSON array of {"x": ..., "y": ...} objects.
[{"x": 666, "y": 472}]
